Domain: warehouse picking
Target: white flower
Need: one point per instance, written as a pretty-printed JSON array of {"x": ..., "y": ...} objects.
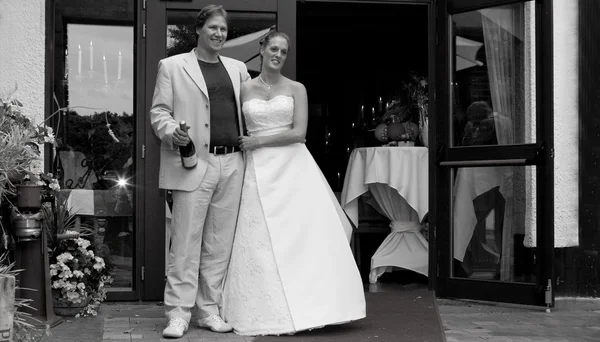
[
  {"x": 99, "y": 265},
  {"x": 54, "y": 185},
  {"x": 87, "y": 271},
  {"x": 83, "y": 243},
  {"x": 64, "y": 257},
  {"x": 65, "y": 273},
  {"x": 78, "y": 274}
]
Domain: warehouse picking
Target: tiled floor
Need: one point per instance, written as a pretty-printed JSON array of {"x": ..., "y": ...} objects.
[
  {"x": 571, "y": 320},
  {"x": 465, "y": 321}
]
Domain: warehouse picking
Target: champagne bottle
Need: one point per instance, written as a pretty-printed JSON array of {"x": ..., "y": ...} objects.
[{"x": 188, "y": 152}]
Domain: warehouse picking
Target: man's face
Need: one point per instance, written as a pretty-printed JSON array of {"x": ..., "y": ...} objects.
[{"x": 213, "y": 34}]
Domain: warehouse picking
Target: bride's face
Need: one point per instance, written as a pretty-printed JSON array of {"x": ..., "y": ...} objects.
[{"x": 275, "y": 53}]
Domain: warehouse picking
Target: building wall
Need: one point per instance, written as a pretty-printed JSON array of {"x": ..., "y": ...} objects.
[
  {"x": 22, "y": 66},
  {"x": 22, "y": 38},
  {"x": 566, "y": 123}
]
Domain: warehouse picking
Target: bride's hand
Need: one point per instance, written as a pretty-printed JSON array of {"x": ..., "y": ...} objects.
[{"x": 248, "y": 143}]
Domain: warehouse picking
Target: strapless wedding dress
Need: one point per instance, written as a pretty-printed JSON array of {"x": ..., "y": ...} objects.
[{"x": 291, "y": 268}]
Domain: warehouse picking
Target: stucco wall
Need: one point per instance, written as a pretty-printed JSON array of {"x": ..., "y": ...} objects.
[
  {"x": 22, "y": 42},
  {"x": 566, "y": 123},
  {"x": 22, "y": 24}
]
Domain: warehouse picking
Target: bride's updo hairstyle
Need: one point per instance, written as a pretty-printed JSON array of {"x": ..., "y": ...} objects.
[{"x": 267, "y": 38}]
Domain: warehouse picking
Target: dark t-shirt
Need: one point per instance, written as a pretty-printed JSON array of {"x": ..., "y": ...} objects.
[{"x": 224, "y": 129}]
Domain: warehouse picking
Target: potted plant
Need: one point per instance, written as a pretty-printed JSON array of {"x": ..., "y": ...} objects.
[
  {"x": 417, "y": 90},
  {"x": 19, "y": 153},
  {"x": 79, "y": 267}
]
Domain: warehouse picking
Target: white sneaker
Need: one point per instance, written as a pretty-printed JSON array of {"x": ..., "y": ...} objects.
[
  {"x": 215, "y": 323},
  {"x": 176, "y": 328}
]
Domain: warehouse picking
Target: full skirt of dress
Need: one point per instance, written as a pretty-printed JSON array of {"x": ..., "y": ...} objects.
[{"x": 291, "y": 267}]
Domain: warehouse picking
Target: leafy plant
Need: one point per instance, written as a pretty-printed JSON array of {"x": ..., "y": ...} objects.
[
  {"x": 23, "y": 330},
  {"x": 60, "y": 223}
]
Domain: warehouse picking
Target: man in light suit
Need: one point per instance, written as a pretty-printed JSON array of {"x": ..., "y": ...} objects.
[{"x": 201, "y": 88}]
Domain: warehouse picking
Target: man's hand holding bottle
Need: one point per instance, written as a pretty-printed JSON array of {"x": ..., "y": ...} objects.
[{"x": 180, "y": 136}]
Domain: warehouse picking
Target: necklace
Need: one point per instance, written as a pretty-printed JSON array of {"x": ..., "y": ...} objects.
[{"x": 268, "y": 86}]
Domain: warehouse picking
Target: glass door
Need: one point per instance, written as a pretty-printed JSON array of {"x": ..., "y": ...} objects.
[
  {"x": 96, "y": 160},
  {"x": 494, "y": 169},
  {"x": 169, "y": 31}
]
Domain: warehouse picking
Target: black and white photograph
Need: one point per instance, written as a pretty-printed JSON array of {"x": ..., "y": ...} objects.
[{"x": 299, "y": 170}]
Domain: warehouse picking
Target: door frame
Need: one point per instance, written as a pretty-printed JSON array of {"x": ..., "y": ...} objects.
[
  {"x": 432, "y": 76},
  {"x": 153, "y": 31},
  {"x": 540, "y": 155}
]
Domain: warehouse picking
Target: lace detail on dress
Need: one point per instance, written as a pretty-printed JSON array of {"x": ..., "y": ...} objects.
[
  {"x": 266, "y": 114},
  {"x": 254, "y": 296}
]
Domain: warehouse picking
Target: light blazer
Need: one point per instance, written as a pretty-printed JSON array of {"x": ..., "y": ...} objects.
[{"x": 181, "y": 94}]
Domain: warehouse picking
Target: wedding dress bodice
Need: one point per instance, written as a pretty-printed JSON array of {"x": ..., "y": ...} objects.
[{"x": 269, "y": 116}]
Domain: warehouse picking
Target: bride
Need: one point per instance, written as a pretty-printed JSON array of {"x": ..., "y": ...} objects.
[{"x": 291, "y": 267}]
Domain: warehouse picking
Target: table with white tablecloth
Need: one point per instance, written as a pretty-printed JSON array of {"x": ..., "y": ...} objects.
[{"x": 397, "y": 177}]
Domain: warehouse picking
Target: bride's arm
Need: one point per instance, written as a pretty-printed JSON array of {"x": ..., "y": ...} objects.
[{"x": 298, "y": 132}]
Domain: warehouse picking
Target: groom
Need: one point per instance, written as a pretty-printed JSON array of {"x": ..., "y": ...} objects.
[{"x": 202, "y": 89}]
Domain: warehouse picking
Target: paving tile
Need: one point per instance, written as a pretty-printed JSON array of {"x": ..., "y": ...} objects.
[
  {"x": 116, "y": 336},
  {"x": 486, "y": 323},
  {"x": 463, "y": 321}
]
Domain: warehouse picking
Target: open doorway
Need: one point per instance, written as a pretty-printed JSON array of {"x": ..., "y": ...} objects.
[{"x": 357, "y": 60}]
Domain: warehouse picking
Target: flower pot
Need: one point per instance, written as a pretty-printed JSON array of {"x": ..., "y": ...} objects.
[
  {"x": 27, "y": 226},
  {"x": 7, "y": 307},
  {"x": 29, "y": 197},
  {"x": 65, "y": 308}
]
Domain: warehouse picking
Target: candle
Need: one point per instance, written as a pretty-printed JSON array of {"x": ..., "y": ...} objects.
[
  {"x": 91, "y": 56},
  {"x": 380, "y": 104},
  {"x": 339, "y": 181},
  {"x": 362, "y": 111},
  {"x": 348, "y": 152},
  {"x": 119, "y": 67},
  {"x": 105, "y": 71},
  {"x": 79, "y": 59},
  {"x": 353, "y": 125},
  {"x": 373, "y": 111},
  {"x": 66, "y": 63}
]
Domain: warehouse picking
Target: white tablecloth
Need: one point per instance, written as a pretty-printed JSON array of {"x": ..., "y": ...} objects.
[
  {"x": 468, "y": 185},
  {"x": 113, "y": 202},
  {"x": 398, "y": 179}
]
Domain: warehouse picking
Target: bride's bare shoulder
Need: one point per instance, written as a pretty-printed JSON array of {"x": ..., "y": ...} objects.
[
  {"x": 294, "y": 86},
  {"x": 248, "y": 88}
]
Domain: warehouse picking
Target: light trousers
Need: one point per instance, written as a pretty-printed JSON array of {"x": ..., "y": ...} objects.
[{"x": 203, "y": 227}]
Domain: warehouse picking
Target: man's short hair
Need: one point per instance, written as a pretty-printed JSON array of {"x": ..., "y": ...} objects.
[{"x": 208, "y": 12}]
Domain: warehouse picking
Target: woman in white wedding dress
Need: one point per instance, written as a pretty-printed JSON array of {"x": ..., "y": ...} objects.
[{"x": 291, "y": 268}]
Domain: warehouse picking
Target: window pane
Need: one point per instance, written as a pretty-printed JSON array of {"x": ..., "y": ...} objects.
[
  {"x": 493, "y": 82},
  {"x": 493, "y": 216},
  {"x": 95, "y": 159}
]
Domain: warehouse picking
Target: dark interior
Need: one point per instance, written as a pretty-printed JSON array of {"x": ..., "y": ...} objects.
[{"x": 348, "y": 55}]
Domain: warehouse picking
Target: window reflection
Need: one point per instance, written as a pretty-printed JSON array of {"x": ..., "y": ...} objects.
[
  {"x": 494, "y": 223},
  {"x": 94, "y": 159},
  {"x": 493, "y": 86},
  {"x": 494, "y": 77}
]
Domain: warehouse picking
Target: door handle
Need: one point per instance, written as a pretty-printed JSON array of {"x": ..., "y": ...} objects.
[{"x": 492, "y": 162}]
